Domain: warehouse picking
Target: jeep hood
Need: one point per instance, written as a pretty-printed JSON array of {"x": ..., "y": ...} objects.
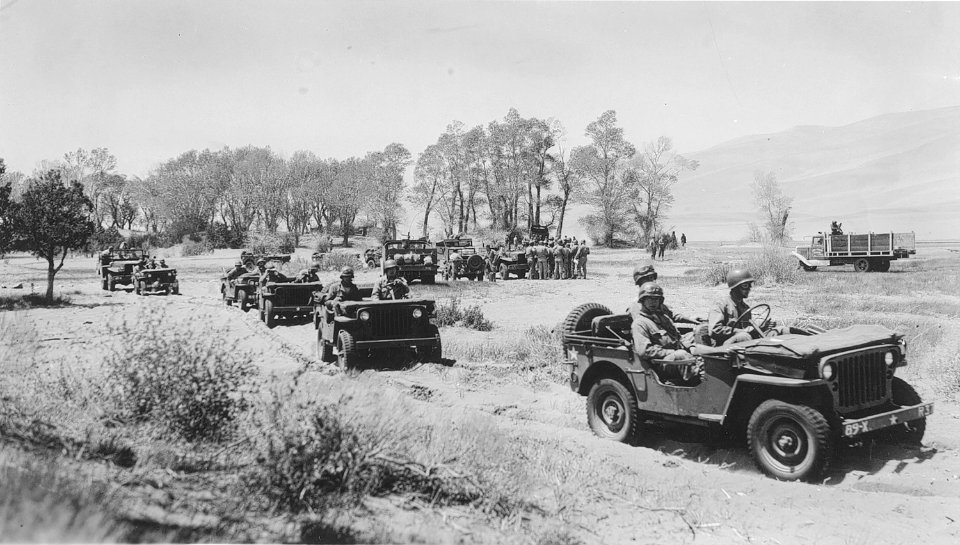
[{"x": 794, "y": 355}]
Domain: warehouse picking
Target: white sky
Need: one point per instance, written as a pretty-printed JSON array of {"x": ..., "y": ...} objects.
[{"x": 150, "y": 80}]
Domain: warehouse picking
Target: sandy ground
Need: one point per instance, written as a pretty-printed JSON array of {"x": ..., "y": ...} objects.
[{"x": 872, "y": 494}]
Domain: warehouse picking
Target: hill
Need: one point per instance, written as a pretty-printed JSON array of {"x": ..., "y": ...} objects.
[{"x": 897, "y": 172}]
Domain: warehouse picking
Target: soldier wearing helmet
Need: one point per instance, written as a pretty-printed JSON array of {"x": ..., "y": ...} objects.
[
  {"x": 391, "y": 285},
  {"x": 236, "y": 271},
  {"x": 655, "y": 337},
  {"x": 262, "y": 265},
  {"x": 344, "y": 290},
  {"x": 725, "y": 327},
  {"x": 643, "y": 274},
  {"x": 271, "y": 274}
]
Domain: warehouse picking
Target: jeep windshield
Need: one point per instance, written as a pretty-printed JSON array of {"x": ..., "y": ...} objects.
[{"x": 412, "y": 245}]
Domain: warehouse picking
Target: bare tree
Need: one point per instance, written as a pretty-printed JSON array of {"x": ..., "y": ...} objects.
[
  {"x": 773, "y": 204},
  {"x": 652, "y": 175},
  {"x": 428, "y": 176}
]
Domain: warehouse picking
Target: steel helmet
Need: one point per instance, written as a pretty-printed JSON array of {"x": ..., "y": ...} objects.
[
  {"x": 390, "y": 264},
  {"x": 261, "y": 261},
  {"x": 303, "y": 272},
  {"x": 643, "y": 274},
  {"x": 737, "y": 277},
  {"x": 238, "y": 264},
  {"x": 346, "y": 272},
  {"x": 650, "y": 289}
]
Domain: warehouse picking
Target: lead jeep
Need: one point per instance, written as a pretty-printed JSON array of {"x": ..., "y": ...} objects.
[
  {"x": 416, "y": 259},
  {"x": 795, "y": 396},
  {"x": 117, "y": 267},
  {"x": 350, "y": 332},
  {"x": 241, "y": 290},
  {"x": 147, "y": 281}
]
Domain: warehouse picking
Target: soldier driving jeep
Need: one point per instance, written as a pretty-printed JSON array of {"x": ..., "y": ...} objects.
[
  {"x": 344, "y": 290},
  {"x": 731, "y": 320},
  {"x": 391, "y": 286}
]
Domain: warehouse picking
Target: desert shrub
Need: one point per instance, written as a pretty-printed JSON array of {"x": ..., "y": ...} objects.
[
  {"x": 31, "y": 300},
  {"x": 191, "y": 247},
  {"x": 716, "y": 272},
  {"x": 265, "y": 242},
  {"x": 338, "y": 260},
  {"x": 189, "y": 379},
  {"x": 452, "y": 314},
  {"x": 773, "y": 264}
]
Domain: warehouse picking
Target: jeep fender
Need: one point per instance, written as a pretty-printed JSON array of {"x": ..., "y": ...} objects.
[
  {"x": 599, "y": 370},
  {"x": 749, "y": 390}
]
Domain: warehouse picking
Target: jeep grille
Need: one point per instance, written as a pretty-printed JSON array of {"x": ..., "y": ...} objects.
[
  {"x": 391, "y": 322},
  {"x": 861, "y": 380}
]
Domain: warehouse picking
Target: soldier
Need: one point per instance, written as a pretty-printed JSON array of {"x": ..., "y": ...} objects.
[
  {"x": 391, "y": 286},
  {"x": 273, "y": 275},
  {"x": 152, "y": 264},
  {"x": 261, "y": 266},
  {"x": 163, "y": 264},
  {"x": 305, "y": 276},
  {"x": 835, "y": 228},
  {"x": 574, "y": 252},
  {"x": 582, "y": 260},
  {"x": 664, "y": 240},
  {"x": 557, "y": 255},
  {"x": 141, "y": 265},
  {"x": 652, "y": 247},
  {"x": 643, "y": 274},
  {"x": 531, "y": 253},
  {"x": 237, "y": 270},
  {"x": 683, "y": 240},
  {"x": 656, "y": 337},
  {"x": 456, "y": 264},
  {"x": 106, "y": 255},
  {"x": 725, "y": 328},
  {"x": 542, "y": 253},
  {"x": 344, "y": 290}
]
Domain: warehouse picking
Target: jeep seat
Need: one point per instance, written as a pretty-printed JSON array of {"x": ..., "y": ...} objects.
[{"x": 612, "y": 326}]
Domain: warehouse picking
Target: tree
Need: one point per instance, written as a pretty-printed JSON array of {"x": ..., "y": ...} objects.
[
  {"x": 50, "y": 220},
  {"x": 6, "y": 232},
  {"x": 428, "y": 177},
  {"x": 569, "y": 181},
  {"x": 652, "y": 176},
  {"x": 600, "y": 164},
  {"x": 388, "y": 167},
  {"x": 774, "y": 206}
]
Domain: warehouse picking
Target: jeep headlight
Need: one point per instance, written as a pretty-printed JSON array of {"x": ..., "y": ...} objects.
[
  {"x": 417, "y": 313},
  {"x": 827, "y": 371},
  {"x": 889, "y": 359},
  {"x": 364, "y": 315}
]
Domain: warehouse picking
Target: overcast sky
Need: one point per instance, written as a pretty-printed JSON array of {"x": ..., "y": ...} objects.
[{"x": 150, "y": 80}]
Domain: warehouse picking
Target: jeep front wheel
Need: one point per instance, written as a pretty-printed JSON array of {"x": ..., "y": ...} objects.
[
  {"x": 789, "y": 442},
  {"x": 347, "y": 357},
  {"x": 242, "y": 300},
  {"x": 908, "y": 433},
  {"x": 268, "y": 314},
  {"x": 612, "y": 411}
]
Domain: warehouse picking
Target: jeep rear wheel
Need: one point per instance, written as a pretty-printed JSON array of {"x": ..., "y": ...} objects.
[
  {"x": 908, "y": 433},
  {"x": 268, "y": 314},
  {"x": 789, "y": 442},
  {"x": 612, "y": 411},
  {"x": 371, "y": 264},
  {"x": 347, "y": 357},
  {"x": 581, "y": 318}
]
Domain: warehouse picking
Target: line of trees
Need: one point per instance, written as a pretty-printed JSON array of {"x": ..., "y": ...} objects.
[{"x": 516, "y": 172}]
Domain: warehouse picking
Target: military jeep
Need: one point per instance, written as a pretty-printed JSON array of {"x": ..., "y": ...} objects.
[
  {"x": 116, "y": 268},
  {"x": 472, "y": 266},
  {"x": 147, "y": 281},
  {"x": 289, "y": 300},
  {"x": 795, "y": 397},
  {"x": 241, "y": 290},
  {"x": 349, "y": 332},
  {"x": 512, "y": 262},
  {"x": 416, "y": 259}
]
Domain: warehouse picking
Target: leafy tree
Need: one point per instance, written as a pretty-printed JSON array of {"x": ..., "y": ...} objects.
[
  {"x": 774, "y": 207},
  {"x": 652, "y": 175},
  {"x": 6, "y": 232},
  {"x": 569, "y": 183},
  {"x": 388, "y": 167},
  {"x": 600, "y": 165},
  {"x": 50, "y": 220}
]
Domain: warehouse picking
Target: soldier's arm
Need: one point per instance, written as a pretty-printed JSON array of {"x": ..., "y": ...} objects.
[
  {"x": 717, "y": 322},
  {"x": 644, "y": 346}
]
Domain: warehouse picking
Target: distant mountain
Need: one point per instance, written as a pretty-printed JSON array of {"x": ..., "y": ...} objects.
[{"x": 895, "y": 172}]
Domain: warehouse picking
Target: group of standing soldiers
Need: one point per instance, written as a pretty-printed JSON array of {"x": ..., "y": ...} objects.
[
  {"x": 659, "y": 244},
  {"x": 557, "y": 259}
]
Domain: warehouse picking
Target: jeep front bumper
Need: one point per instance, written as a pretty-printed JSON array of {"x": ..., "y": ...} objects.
[
  {"x": 859, "y": 426},
  {"x": 386, "y": 343}
]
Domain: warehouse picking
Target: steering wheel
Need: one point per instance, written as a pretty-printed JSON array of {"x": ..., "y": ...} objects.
[{"x": 757, "y": 326}]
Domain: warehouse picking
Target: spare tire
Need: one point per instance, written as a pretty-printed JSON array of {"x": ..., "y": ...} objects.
[
  {"x": 475, "y": 262},
  {"x": 581, "y": 317}
]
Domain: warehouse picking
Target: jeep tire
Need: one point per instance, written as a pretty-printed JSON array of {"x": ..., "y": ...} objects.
[
  {"x": 612, "y": 411},
  {"x": 908, "y": 433},
  {"x": 242, "y": 300},
  {"x": 581, "y": 318},
  {"x": 789, "y": 442},
  {"x": 347, "y": 357},
  {"x": 268, "y": 317}
]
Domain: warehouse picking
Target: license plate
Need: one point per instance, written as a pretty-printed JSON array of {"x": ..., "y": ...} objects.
[{"x": 885, "y": 420}]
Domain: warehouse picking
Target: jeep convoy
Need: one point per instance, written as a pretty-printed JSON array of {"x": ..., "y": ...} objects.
[{"x": 794, "y": 397}]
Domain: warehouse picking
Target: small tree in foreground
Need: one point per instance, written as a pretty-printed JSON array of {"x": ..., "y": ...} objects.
[{"x": 50, "y": 220}]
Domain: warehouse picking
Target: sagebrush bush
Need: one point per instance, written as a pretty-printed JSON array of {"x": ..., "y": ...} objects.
[
  {"x": 452, "y": 314},
  {"x": 265, "y": 242},
  {"x": 772, "y": 264},
  {"x": 338, "y": 260},
  {"x": 191, "y": 247},
  {"x": 188, "y": 379}
]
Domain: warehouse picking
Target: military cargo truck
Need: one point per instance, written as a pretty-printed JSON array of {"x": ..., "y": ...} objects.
[{"x": 866, "y": 252}]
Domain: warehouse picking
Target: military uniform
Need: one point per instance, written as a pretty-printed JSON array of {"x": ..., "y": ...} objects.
[
  {"x": 636, "y": 308},
  {"x": 557, "y": 262},
  {"x": 236, "y": 272},
  {"x": 542, "y": 253},
  {"x": 582, "y": 260},
  {"x": 531, "y": 253},
  {"x": 338, "y": 291},
  {"x": 391, "y": 289},
  {"x": 654, "y": 335}
]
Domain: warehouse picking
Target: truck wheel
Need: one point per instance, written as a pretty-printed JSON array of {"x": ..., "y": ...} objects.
[
  {"x": 884, "y": 266},
  {"x": 347, "y": 358},
  {"x": 612, "y": 411},
  {"x": 176, "y": 290},
  {"x": 504, "y": 272},
  {"x": 242, "y": 300},
  {"x": 268, "y": 314},
  {"x": 582, "y": 317},
  {"x": 908, "y": 433},
  {"x": 863, "y": 265},
  {"x": 789, "y": 442}
]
